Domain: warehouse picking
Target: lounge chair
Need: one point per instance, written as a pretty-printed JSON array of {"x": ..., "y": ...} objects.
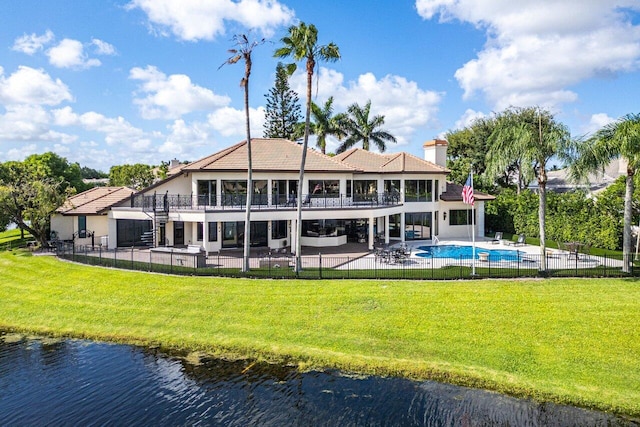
[
  {"x": 521, "y": 241},
  {"x": 497, "y": 239}
]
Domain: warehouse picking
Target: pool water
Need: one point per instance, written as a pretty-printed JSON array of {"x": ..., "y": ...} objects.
[{"x": 466, "y": 252}]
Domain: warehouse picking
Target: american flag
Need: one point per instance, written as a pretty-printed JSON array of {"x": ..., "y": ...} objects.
[{"x": 467, "y": 192}]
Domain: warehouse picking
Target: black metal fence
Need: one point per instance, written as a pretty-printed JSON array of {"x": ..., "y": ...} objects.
[{"x": 182, "y": 262}]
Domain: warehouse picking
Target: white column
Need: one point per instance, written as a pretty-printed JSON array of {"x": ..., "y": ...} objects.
[
  {"x": 371, "y": 236},
  {"x": 402, "y": 226},
  {"x": 205, "y": 235},
  {"x": 480, "y": 219},
  {"x": 293, "y": 235},
  {"x": 386, "y": 229}
]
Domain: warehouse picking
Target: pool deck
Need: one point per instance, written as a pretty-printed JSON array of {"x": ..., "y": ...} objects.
[
  {"x": 356, "y": 256},
  {"x": 556, "y": 259}
]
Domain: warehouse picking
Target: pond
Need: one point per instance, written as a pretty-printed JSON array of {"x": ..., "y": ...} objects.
[{"x": 75, "y": 382}]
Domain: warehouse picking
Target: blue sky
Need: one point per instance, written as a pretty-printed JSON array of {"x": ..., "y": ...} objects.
[{"x": 111, "y": 82}]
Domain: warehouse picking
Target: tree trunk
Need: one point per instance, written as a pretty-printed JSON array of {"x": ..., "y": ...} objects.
[
  {"x": 626, "y": 230},
  {"x": 247, "y": 217},
  {"x": 542, "y": 209},
  {"x": 310, "y": 65}
]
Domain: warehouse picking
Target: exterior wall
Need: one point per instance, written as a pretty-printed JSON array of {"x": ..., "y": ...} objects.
[
  {"x": 67, "y": 227},
  {"x": 63, "y": 226},
  {"x": 375, "y": 215},
  {"x": 178, "y": 185},
  {"x": 448, "y": 231},
  {"x": 436, "y": 152}
]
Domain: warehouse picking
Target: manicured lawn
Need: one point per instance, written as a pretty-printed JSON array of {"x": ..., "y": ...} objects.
[
  {"x": 573, "y": 341},
  {"x": 11, "y": 239}
]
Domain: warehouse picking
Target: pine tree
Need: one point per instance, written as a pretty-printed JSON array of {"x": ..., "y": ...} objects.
[{"x": 283, "y": 110}]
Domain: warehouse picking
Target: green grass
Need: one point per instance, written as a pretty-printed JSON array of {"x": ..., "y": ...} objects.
[
  {"x": 571, "y": 341},
  {"x": 10, "y": 239}
]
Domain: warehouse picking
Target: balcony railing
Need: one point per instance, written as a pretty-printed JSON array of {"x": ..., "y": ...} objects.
[{"x": 168, "y": 202}]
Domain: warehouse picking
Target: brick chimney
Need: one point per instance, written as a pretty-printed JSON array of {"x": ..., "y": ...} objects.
[{"x": 435, "y": 151}]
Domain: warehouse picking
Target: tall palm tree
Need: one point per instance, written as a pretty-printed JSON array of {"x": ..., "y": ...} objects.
[
  {"x": 531, "y": 137},
  {"x": 243, "y": 51},
  {"x": 300, "y": 43},
  {"x": 359, "y": 127},
  {"x": 620, "y": 138},
  {"x": 325, "y": 124}
]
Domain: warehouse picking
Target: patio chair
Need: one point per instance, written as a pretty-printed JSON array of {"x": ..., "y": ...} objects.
[
  {"x": 521, "y": 241},
  {"x": 497, "y": 239}
]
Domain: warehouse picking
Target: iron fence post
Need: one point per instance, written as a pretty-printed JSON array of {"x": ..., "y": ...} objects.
[{"x": 432, "y": 267}]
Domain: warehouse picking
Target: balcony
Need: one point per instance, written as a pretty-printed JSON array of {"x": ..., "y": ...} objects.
[{"x": 173, "y": 202}]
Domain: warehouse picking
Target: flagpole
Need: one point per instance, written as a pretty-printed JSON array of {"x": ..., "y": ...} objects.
[{"x": 473, "y": 231}]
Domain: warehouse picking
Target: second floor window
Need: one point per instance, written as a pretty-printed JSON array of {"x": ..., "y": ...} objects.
[
  {"x": 206, "y": 192},
  {"x": 418, "y": 190},
  {"x": 324, "y": 188}
]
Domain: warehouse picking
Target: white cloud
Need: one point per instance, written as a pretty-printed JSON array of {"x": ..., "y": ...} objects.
[
  {"x": 537, "y": 49},
  {"x": 171, "y": 97},
  {"x": 206, "y": 19},
  {"x": 407, "y": 108},
  {"x": 70, "y": 54},
  {"x": 596, "y": 121},
  {"x": 31, "y": 86},
  {"x": 21, "y": 153},
  {"x": 117, "y": 130},
  {"x": 468, "y": 118},
  {"x": 23, "y": 123},
  {"x": 231, "y": 122},
  {"x": 102, "y": 47},
  {"x": 64, "y": 117},
  {"x": 183, "y": 138},
  {"x": 31, "y": 43}
]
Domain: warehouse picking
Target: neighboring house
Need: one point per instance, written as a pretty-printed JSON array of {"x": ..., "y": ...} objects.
[
  {"x": 354, "y": 196},
  {"x": 559, "y": 181},
  {"x": 83, "y": 218}
]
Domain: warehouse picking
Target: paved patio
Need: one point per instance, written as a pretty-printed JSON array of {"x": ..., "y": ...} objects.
[
  {"x": 556, "y": 259},
  {"x": 356, "y": 256}
]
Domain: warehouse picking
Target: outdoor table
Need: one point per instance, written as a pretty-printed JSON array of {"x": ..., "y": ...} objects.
[{"x": 573, "y": 248}]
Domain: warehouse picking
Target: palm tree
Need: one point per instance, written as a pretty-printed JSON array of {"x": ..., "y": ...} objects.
[
  {"x": 325, "y": 124},
  {"x": 530, "y": 137},
  {"x": 359, "y": 127},
  {"x": 620, "y": 138},
  {"x": 300, "y": 43},
  {"x": 243, "y": 51}
]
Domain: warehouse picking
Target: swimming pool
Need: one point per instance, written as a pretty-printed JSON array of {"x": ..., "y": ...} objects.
[{"x": 466, "y": 252}]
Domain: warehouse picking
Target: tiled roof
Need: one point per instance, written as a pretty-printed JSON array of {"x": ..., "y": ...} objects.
[
  {"x": 560, "y": 180},
  {"x": 95, "y": 200},
  {"x": 366, "y": 161},
  {"x": 454, "y": 194},
  {"x": 268, "y": 155}
]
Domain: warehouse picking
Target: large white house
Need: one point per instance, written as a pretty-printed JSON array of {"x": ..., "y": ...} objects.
[{"x": 354, "y": 196}]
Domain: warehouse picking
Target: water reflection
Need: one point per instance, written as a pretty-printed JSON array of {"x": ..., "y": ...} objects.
[{"x": 73, "y": 382}]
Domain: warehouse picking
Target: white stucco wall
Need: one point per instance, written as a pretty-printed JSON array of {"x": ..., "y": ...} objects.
[{"x": 63, "y": 226}]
